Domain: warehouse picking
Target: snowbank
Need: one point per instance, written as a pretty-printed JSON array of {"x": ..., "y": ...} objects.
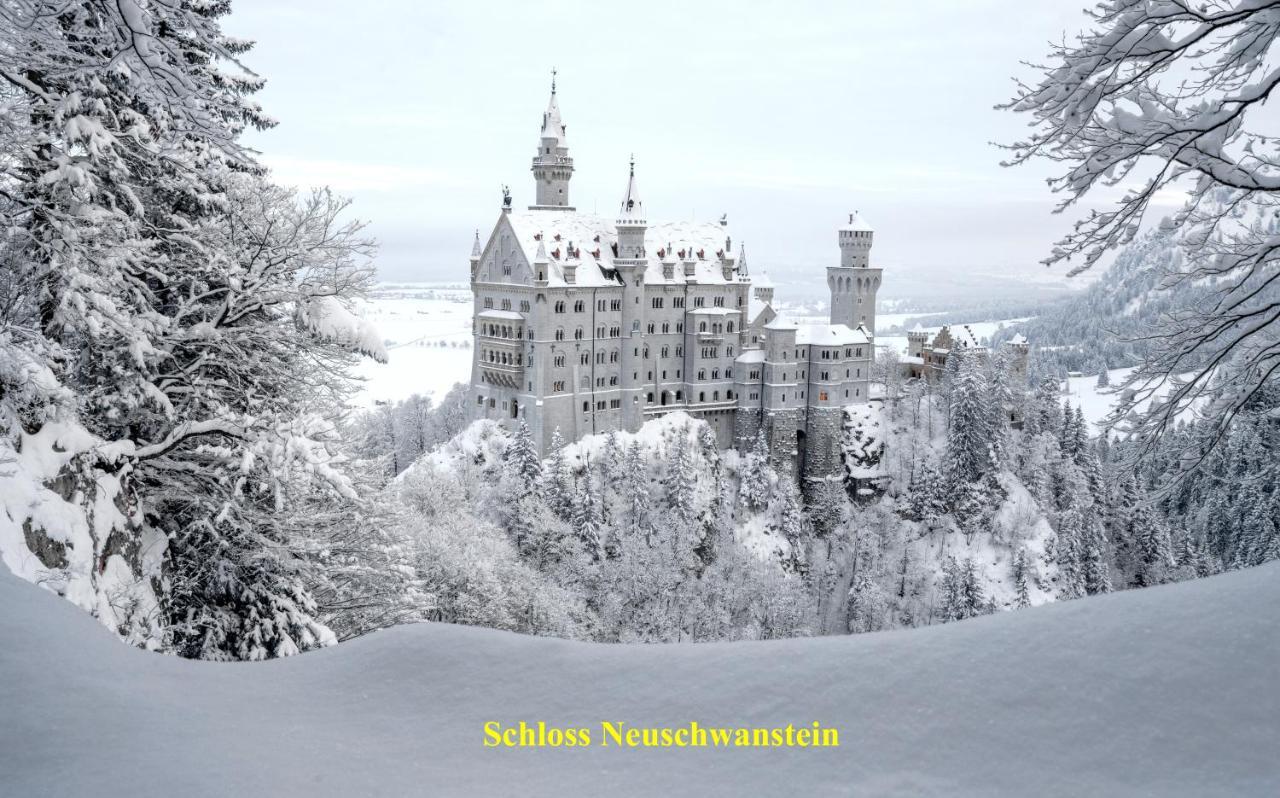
[{"x": 1105, "y": 695}]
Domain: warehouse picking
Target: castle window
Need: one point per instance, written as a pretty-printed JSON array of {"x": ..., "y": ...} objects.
[
  {"x": 559, "y": 361},
  {"x": 557, "y": 387},
  {"x": 699, "y": 301},
  {"x": 613, "y": 380},
  {"x": 657, "y": 302},
  {"x": 784, "y": 398},
  {"x": 665, "y": 351},
  {"x": 585, "y": 359},
  {"x": 859, "y": 351},
  {"x": 577, "y": 334},
  {"x": 488, "y": 302},
  {"x": 666, "y": 327},
  {"x": 600, "y": 405},
  {"x": 559, "y": 307},
  {"x": 677, "y": 302},
  {"x": 651, "y": 328},
  {"x": 615, "y": 304},
  {"x": 728, "y": 394},
  {"x": 822, "y": 396},
  {"x": 702, "y": 374},
  {"x": 524, "y": 306},
  {"x": 848, "y": 353},
  {"x": 506, "y": 304},
  {"x": 649, "y": 376},
  {"x": 730, "y": 326},
  {"x": 679, "y": 326},
  {"x": 560, "y": 335},
  {"x": 728, "y": 351},
  {"x": 649, "y": 398},
  {"x": 715, "y": 374},
  {"x": 719, "y": 301},
  {"x": 480, "y": 401},
  {"x": 715, "y": 396},
  {"x": 600, "y": 304},
  {"x": 859, "y": 374},
  {"x": 586, "y": 407},
  {"x": 702, "y": 328},
  {"x": 679, "y": 351},
  {"x": 702, "y": 396},
  {"x": 579, "y": 306},
  {"x": 857, "y": 392}
]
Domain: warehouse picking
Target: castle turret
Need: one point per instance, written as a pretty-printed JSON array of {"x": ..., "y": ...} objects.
[
  {"x": 475, "y": 257},
  {"x": 854, "y": 282},
  {"x": 630, "y": 261},
  {"x": 552, "y": 166}
]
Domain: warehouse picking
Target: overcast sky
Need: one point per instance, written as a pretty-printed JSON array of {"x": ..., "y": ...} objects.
[{"x": 785, "y": 116}]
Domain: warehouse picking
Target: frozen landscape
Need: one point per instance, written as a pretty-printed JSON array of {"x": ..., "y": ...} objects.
[
  {"x": 1168, "y": 691},
  {"x": 296, "y": 500}
]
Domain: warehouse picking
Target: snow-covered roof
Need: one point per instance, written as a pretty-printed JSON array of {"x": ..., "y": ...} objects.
[
  {"x": 831, "y": 335},
  {"x": 552, "y": 125},
  {"x": 490, "y": 313},
  {"x": 712, "y": 311},
  {"x": 595, "y": 235},
  {"x": 781, "y": 323},
  {"x": 751, "y": 356},
  {"x": 756, "y": 306},
  {"x": 762, "y": 281},
  {"x": 856, "y": 224},
  {"x": 963, "y": 337},
  {"x": 912, "y": 360},
  {"x": 1018, "y": 340}
]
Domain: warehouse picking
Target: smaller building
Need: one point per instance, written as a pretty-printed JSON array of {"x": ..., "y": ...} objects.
[{"x": 928, "y": 357}]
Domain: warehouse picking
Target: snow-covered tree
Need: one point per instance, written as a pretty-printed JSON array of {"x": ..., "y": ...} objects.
[{"x": 1168, "y": 97}]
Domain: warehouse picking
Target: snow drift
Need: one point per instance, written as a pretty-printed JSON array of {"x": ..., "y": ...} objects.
[{"x": 1167, "y": 691}]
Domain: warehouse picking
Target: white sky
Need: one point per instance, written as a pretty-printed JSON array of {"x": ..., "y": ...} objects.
[{"x": 784, "y": 115}]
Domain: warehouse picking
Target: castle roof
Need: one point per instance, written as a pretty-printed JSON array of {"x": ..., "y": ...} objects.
[
  {"x": 856, "y": 224},
  {"x": 595, "y": 237},
  {"x": 751, "y": 356},
  {"x": 831, "y": 335}
]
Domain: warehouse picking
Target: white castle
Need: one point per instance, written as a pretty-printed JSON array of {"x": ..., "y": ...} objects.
[{"x": 586, "y": 324}]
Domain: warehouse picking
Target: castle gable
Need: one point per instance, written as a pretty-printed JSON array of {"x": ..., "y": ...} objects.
[{"x": 503, "y": 260}]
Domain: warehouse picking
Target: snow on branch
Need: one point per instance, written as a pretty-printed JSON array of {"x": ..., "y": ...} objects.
[{"x": 326, "y": 318}]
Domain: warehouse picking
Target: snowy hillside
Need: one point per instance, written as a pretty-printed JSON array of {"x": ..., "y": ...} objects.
[{"x": 1168, "y": 691}]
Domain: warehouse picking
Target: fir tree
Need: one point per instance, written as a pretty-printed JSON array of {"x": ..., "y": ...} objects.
[{"x": 1022, "y": 597}]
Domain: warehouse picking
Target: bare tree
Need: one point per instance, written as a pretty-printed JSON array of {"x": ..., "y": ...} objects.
[{"x": 1156, "y": 98}]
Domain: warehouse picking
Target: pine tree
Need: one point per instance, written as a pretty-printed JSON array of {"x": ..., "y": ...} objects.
[
  {"x": 681, "y": 478},
  {"x": 521, "y": 459},
  {"x": 586, "y": 518},
  {"x": 970, "y": 453},
  {"x": 1104, "y": 378},
  {"x": 972, "y": 598},
  {"x": 755, "y": 482},
  {"x": 1022, "y": 596}
]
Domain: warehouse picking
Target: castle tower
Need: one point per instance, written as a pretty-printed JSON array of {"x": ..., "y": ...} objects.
[
  {"x": 854, "y": 282},
  {"x": 475, "y": 256},
  {"x": 630, "y": 261},
  {"x": 552, "y": 166}
]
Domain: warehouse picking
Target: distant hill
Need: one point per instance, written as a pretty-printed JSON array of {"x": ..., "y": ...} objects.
[{"x": 1082, "y": 332}]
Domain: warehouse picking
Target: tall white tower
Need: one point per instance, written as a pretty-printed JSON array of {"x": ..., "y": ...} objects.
[
  {"x": 855, "y": 281},
  {"x": 630, "y": 261},
  {"x": 552, "y": 166}
]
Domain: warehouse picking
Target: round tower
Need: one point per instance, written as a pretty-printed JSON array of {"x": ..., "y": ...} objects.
[{"x": 552, "y": 166}]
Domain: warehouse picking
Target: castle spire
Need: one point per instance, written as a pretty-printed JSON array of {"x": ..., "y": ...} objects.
[
  {"x": 475, "y": 246},
  {"x": 552, "y": 166},
  {"x": 742, "y": 259},
  {"x": 632, "y": 207}
]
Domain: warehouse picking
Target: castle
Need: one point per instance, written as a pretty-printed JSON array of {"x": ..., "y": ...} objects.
[{"x": 586, "y": 324}]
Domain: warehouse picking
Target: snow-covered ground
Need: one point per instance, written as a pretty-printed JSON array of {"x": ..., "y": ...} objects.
[
  {"x": 1097, "y": 403},
  {"x": 1165, "y": 691},
  {"x": 427, "y": 329}
]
